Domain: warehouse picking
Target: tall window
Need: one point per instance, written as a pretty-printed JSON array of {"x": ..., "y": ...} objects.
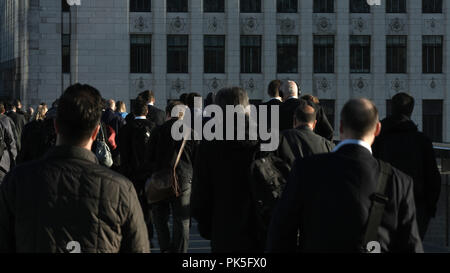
[
  {"x": 177, "y": 53},
  {"x": 359, "y": 54},
  {"x": 432, "y": 56},
  {"x": 323, "y": 54},
  {"x": 432, "y": 6},
  {"x": 329, "y": 107},
  {"x": 323, "y": 6},
  {"x": 66, "y": 53},
  {"x": 396, "y": 52},
  {"x": 177, "y": 5},
  {"x": 140, "y": 5},
  {"x": 250, "y": 54},
  {"x": 287, "y": 54},
  {"x": 395, "y": 6},
  {"x": 359, "y": 6},
  {"x": 214, "y": 6},
  {"x": 432, "y": 119},
  {"x": 214, "y": 55},
  {"x": 250, "y": 6},
  {"x": 140, "y": 54},
  {"x": 65, "y": 6},
  {"x": 287, "y": 6}
]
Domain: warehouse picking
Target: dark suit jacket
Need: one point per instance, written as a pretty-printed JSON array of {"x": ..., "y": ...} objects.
[
  {"x": 19, "y": 121},
  {"x": 402, "y": 145},
  {"x": 287, "y": 110},
  {"x": 156, "y": 115},
  {"x": 301, "y": 142},
  {"x": 327, "y": 198}
]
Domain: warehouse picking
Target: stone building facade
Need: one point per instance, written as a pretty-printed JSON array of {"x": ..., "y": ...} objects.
[{"x": 97, "y": 34}]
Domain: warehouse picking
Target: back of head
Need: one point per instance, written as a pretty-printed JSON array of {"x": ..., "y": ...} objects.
[
  {"x": 274, "y": 88},
  {"x": 359, "y": 118},
  {"x": 111, "y": 104},
  {"x": 183, "y": 98},
  {"x": 232, "y": 96},
  {"x": 78, "y": 114},
  {"x": 305, "y": 113},
  {"x": 140, "y": 108},
  {"x": 2, "y": 107},
  {"x": 190, "y": 99},
  {"x": 40, "y": 113},
  {"x": 121, "y": 107},
  {"x": 172, "y": 104},
  {"x": 17, "y": 103},
  {"x": 402, "y": 104},
  {"x": 310, "y": 98},
  {"x": 289, "y": 89},
  {"x": 148, "y": 96}
]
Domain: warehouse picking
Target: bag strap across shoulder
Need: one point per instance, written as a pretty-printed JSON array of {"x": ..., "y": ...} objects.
[
  {"x": 379, "y": 201},
  {"x": 180, "y": 152}
]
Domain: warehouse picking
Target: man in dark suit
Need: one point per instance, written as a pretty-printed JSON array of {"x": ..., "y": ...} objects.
[
  {"x": 291, "y": 102},
  {"x": 275, "y": 99},
  {"x": 402, "y": 145},
  {"x": 328, "y": 197},
  {"x": 19, "y": 121},
  {"x": 155, "y": 114},
  {"x": 302, "y": 141}
]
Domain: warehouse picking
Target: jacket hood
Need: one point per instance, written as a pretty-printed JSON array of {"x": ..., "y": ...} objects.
[{"x": 398, "y": 124}]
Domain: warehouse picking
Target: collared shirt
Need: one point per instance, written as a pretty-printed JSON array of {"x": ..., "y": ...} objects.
[
  {"x": 355, "y": 142},
  {"x": 141, "y": 117},
  {"x": 150, "y": 103},
  {"x": 292, "y": 98},
  {"x": 276, "y": 98}
]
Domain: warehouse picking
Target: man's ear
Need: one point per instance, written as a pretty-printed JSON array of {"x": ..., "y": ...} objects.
[
  {"x": 95, "y": 132},
  {"x": 378, "y": 129}
]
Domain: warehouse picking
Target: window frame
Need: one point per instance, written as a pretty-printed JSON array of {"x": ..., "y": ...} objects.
[
  {"x": 244, "y": 49},
  {"x": 401, "y": 7},
  {"x": 434, "y": 10},
  {"x": 182, "y": 68},
  {"x": 401, "y": 67},
  {"x": 354, "y": 48},
  {"x": 437, "y": 61},
  {"x": 215, "y": 52},
  {"x": 183, "y": 6},
  {"x": 258, "y": 8},
  {"x": 327, "y": 48},
  {"x": 143, "y": 65},
  {"x": 359, "y": 4},
  {"x": 221, "y": 8},
  {"x": 287, "y": 48},
  {"x": 137, "y": 8},
  {"x": 319, "y": 8},
  {"x": 280, "y": 8}
]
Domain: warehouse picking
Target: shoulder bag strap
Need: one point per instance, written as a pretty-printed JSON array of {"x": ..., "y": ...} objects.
[{"x": 379, "y": 201}]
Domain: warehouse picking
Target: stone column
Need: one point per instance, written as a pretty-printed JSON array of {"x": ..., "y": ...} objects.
[
  {"x": 378, "y": 58},
  {"x": 196, "y": 45},
  {"x": 232, "y": 42},
  {"x": 306, "y": 47},
  {"x": 159, "y": 54},
  {"x": 269, "y": 46}
]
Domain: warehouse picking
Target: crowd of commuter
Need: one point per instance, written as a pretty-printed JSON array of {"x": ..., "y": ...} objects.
[{"x": 81, "y": 171}]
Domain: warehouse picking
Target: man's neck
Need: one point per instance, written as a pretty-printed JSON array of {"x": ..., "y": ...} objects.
[
  {"x": 305, "y": 125},
  {"x": 151, "y": 103}
]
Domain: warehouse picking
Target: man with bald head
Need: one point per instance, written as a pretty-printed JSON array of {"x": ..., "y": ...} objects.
[
  {"x": 330, "y": 199},
  {"x": 302, "y": 141},
  {"x": 290, "y": 103}
]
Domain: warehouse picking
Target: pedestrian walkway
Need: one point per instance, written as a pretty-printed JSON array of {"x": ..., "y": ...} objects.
[{"x": 196, "y": 243}]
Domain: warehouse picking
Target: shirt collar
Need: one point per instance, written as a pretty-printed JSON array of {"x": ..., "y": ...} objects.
[
  {"x": 141, "y": 117},
  {"x": 66, "y": 151},
  {"x": 354, "y": 142},
  {"x": 276, "y": 98},
  {"x": 150, "y": 103}
]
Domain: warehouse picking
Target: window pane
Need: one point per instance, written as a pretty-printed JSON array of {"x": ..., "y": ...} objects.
[
  {"x": 287, "y": 54},
  {"x": 323, "y": 6},
  {"x": 214, "y": 54},
  {"x": 65, "y": 43},
  {"x": 140, "y": 54},
  {"x": 323, "y": 54},
  {"x": 432, "y": 54},
  {"x": 395, "y": 6},
  {"x": 396, "y": 52},
  {"x": 287, "y": 6},
  {"x": 359, "y": 6},
  {"x": 177, "y": 5},
  {"x": 177, "y": 53},
  {"x": 250, "y": 6},
  {"x": 140, "y": 6},
  {"x": 432, "y": 119},
  {"x": 250, "y": 54},
  {"x": 432, "y": 6},
  {"x": 213, "y": 6}
]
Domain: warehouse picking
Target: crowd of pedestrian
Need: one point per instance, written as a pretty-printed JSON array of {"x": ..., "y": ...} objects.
[{"x": 89, "y": 171}]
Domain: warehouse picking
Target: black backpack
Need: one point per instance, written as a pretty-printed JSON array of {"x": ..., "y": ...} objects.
[{"x": 268, "y": 176}]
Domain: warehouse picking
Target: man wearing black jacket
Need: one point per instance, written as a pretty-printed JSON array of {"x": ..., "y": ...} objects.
[
  {"x": 402, "y": 145},
  {"x": 328, "y": 197},
  {"x": 302, "y": 141},
  {"x": 154, "y": 114},
  {"x": 163, "y": 152},
  {"x": 275, "y": 100},
  {"x": 66, "y": 201}
]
